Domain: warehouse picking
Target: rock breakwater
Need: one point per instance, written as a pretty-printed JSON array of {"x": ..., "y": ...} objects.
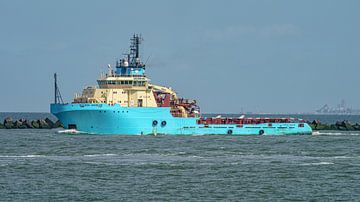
[
  {"x": 9, "y": 123},
  {"x": 339, "y": 125}
]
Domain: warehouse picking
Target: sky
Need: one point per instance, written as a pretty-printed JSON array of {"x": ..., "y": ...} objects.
[{"x": 244, "y": 55}]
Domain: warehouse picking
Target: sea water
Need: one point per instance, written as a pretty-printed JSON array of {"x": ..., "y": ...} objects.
[{"x": 42, "y": 165}]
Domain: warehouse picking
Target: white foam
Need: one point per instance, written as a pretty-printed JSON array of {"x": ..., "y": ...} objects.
[
  {"x": 315, "y": 133},
  {"x": 335, "y": 133},
  {"x": 343, "y": 157},
  {"x": 70, "y": 131},
  {"x": 23, "y": 156},
  {"x": 330, "y": 133},
  {"x": 99, "y": 163},
  {"x": 197, "y": 134},
  {"x": 97, "y": 155},
  {"x": 200, "y": 157},
  {"x": 317, "y": 163}
]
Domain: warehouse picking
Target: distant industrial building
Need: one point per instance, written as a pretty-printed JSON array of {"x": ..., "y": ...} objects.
[{"x": 339, "y": 109}]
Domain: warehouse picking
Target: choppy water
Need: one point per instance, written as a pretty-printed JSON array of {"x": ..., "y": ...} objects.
[{"x": 41, "y": 165}]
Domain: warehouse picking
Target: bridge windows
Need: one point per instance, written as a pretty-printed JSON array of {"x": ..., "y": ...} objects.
[
  {"x": 139, "y": 83},
  {"x": 123, "y": 82}
]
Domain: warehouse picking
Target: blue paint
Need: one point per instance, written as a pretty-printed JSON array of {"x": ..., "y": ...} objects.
[
  {"x": 113, "y": 119},
  {"x": 128, "y": 71}
]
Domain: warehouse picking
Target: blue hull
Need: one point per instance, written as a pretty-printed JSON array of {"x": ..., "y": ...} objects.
[{"x": 111, "y": 120}]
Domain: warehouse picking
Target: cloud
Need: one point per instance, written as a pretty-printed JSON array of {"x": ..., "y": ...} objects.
[{"x": 275, "y": 30}]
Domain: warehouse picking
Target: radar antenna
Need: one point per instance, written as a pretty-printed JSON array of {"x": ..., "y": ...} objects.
[{"x": 134, "y": 56}]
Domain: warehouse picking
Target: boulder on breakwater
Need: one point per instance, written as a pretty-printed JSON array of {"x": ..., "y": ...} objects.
[
  {"x": 339, "y": 125},
  {"x": 47, "y": 123},
  {"x": 8, "y": 123}
]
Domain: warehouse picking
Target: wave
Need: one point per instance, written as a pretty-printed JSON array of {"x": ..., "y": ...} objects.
[
  {"x": 99, "y": 163},
  {"x": 52, "y": 156},
  {"x": 23, "y": 156},
  {"x": 335, "y": 133},
  {"x": 99, "y": 155},
  {"x": 70, "y": 132},
  {"x": 288, "y": 159},
  {"x": 317, "y": 163}
]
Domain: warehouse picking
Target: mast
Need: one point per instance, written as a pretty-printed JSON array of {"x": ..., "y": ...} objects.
[
  {"x": 137, "y": 43},
  {"x": 135, "y": 50},
  {"x": 57, "y": 95},
  {"x": 131, "y": 64},
  {"x": 55, "y": 90}
]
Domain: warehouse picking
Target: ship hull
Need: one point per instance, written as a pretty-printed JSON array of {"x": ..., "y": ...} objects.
[{"x": 105, "y": 119}]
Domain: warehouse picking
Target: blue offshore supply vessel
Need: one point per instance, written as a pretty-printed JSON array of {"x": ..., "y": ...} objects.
[{"x": 126, "y": 103}]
